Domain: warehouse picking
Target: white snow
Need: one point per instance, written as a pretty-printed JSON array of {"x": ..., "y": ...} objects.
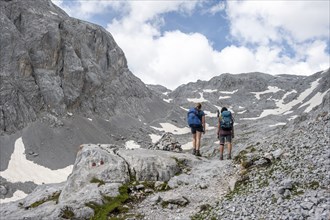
[
  {"x": 283, "y": 108},
  {"x": 131, "y": 145},
  {"x": 280, "y": 123},
  {"x": 315, "y": 101},
  {"x": 208, "y": 127},
  {"x": 271, "y": 89},
  {"x": 241, "y": 112},
  {"x": 22, "y": 170},
  {"x": 167, "y": 127},
  {"x": 18, "y": 194},
  {"x": 165, "y": 93},
  {"x": 218, "y": 107},
  {"x": 53, "y": 13},
  {"x": 241, "y": 107},
  {"x": 154, "y": 138},
  {"x": 293, "y": 117},
  {"x": 69, "y": 113},
  {"x": 90, "y": 119},
  {"x": 210, "y": 90},
  {"x": 168, "y": 100},
  {"x": 210, "y": 114},
  {"x": 224, "y": 97},
  {"x": 187, "y": 146},
  {"x": 228, "y": 92},
  {"x": 184, "y": 108},
  {"x": 195, "y": 100}
]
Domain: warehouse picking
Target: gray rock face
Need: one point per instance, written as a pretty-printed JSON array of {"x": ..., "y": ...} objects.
[
  {"x": 99, "y": 171},
  {"x": 55, "y": 63}
]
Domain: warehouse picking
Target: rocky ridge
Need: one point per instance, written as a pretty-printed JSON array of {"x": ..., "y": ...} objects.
[
  {"x": 283, "y": 176},
  {"x": 68, "y": 77},
  {"x": 56, "y": 64}
]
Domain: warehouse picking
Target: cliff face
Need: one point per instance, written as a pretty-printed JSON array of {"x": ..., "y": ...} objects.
[{"x": 53, "y": 63}]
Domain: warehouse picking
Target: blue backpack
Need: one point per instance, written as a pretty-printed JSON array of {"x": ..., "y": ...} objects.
[
  {"x": 192, "y": 117},
  {"x": 226, "y": 122}
]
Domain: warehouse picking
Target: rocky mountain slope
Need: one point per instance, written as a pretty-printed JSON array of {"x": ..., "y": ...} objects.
[
  {"x": 65, "y": 82},
  {"x": 83, "y": 138},
  {"x": 284, "y": 175}
]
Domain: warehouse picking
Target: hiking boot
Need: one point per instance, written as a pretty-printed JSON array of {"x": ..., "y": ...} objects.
[
  {"x": 198, "y": 154},
  {"x": 229, "y": 157},
  {"x": 194, "y": 152},
  {"x": 221, "y": 157}
]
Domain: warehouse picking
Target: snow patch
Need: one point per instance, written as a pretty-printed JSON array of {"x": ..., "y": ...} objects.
[
  {"x": 315, "y": 101},
  {"x": 278, "y": 124},
  {"x": 195, "y": 100},
  {"x": 187, "y": 146},
  {"x": 53, "y": 13},
  {"x": 154, "y": 138},
  {"x": 210, "y": 114},
  {"x": 184, "y": 108},
  {"x": 18, "y": 194},
  {"x": 283, "y": 108},
  {"x": 271, "y": 89},
  {"x": 210, "y": 90},
  {"x": 241, "y": 112},
  {"x": 22, "y": 170},
  {"x": 167, "y": 100},
  {"x": 167, "y": 127},
  {"x": 228, "y": 92},
  {"x": 131, "y": 145},
  {"x": 224, "y": 97}
]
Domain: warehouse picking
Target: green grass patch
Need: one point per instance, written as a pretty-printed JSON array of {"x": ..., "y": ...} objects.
[
  {"x": 313, "y": 185},
  {"x": 95, "y": 180},
  {"x": 240, "y": 187},
  {"x": 53, "y": 197},
  {"x": 181, "y": 164},
  {"x": 66, "y": 213},
  {"x": 111, "y": 204}
]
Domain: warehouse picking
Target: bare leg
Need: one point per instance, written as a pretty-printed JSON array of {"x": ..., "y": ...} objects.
[
  {"x": 198, "y": 143},
  {"x": 229, "y": 150},
  {"x": 221, "y": 151},
  {"x": 198, "y": 140},
  {"x": 194, "y": 144}
]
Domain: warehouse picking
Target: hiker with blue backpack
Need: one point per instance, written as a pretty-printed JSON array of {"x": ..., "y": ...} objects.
[
  {"x": 225, "y": 131},
  {"x": 196, "y": 121}
]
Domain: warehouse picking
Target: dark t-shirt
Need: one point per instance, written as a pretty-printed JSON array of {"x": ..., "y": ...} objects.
[{"x": 200, "y": 114}]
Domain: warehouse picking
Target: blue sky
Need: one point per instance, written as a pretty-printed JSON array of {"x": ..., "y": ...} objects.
[{"x": 175, "y": 42}]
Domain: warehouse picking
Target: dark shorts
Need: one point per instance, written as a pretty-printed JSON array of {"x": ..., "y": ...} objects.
[
  {"x": 225, "y": 138},
  {"x": 195, "y": 128}
]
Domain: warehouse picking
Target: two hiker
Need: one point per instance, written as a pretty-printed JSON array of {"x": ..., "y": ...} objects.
[{"x": 225, "y": 129}]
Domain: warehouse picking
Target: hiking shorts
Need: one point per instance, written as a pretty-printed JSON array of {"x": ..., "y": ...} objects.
[
  {"x": 225, "y": 139},
  {"x": 198, "y": 128}
]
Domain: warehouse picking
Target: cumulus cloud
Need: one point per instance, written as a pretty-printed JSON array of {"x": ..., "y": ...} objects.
[
  {"x": 293, "y": 21},
  {"x": 276, "y": 37}
]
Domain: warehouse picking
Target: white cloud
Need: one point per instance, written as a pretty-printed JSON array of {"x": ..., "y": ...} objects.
[
  {"x": 217, "y": 8},
  {"x": 172, "y": 58},
  {"x": 83, "y": 9},
  {"x": 259, "y": 21}
]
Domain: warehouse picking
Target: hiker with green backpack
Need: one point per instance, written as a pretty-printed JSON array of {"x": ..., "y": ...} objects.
[
  {"x": 196, "y": 121},
  {"x": 225, "y": 131}
]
